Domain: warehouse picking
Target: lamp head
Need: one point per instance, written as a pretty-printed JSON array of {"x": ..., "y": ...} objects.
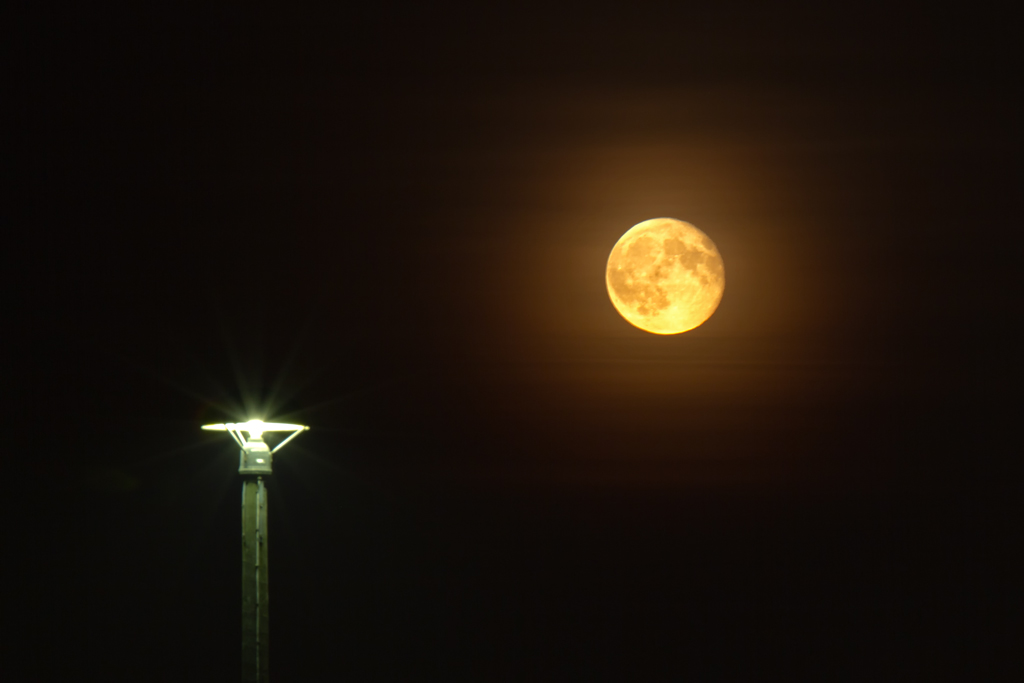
[
  {"x": 255, "y": 457},
  {"x": 255, "y": 428}
]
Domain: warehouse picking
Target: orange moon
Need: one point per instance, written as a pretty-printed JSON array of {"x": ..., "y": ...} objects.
[{"x": 665, "y": 276}]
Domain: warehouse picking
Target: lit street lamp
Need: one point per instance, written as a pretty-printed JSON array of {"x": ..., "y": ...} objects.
[{"x": 255, "y": 462}]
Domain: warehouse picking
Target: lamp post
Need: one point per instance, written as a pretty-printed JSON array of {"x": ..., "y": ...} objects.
[{"x": 255, "y": 460}]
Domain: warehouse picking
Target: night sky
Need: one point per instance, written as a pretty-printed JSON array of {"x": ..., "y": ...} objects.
[{"x": 391, "y": 223}]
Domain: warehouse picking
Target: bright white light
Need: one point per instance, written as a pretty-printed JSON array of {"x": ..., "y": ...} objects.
[
  {"x": 256, "y": 427},
  {"x": 260, "y": 460}
]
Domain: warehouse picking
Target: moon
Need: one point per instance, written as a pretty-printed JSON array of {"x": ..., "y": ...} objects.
[{"x": 665, "y": 276}]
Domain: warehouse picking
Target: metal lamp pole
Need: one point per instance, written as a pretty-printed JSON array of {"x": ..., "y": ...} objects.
[{"x": 255, "y": 462}]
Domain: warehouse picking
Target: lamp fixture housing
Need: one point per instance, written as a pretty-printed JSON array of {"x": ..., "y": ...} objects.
[{"x": 256, "y": 457}]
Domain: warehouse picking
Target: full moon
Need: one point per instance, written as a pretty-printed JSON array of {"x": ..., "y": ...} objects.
[{"x": 665, "y": 276}]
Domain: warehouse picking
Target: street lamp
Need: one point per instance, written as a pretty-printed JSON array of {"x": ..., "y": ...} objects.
[{"x": 255, "y": 460}]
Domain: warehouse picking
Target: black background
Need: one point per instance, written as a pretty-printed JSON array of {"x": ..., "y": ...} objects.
[{"x": 390, "y": 222}]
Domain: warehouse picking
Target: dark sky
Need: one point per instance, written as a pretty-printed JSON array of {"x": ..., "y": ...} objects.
[{"x": 391, "y": 223}]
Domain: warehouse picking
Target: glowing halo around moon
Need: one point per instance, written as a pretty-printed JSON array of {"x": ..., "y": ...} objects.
[{"x": 665, "y": 276}]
